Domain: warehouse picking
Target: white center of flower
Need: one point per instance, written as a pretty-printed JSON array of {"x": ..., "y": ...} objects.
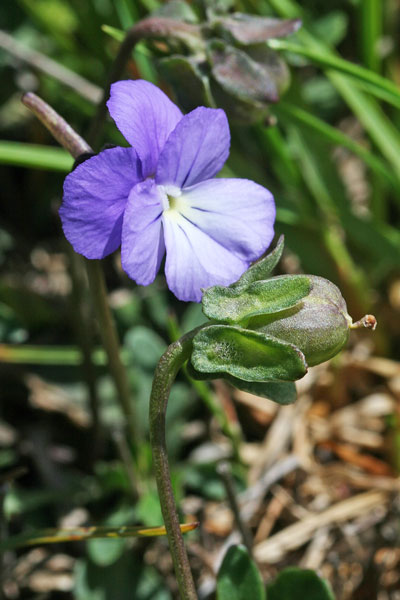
[{"x": 172, "y": 201}]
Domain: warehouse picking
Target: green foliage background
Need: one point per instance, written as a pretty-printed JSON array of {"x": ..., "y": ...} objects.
[{"x": 335, "y": 116}]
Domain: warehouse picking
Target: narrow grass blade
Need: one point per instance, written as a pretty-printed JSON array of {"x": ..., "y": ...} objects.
[
  {"x": 382, "y": 131},
  {"x": 371, "y": 32},
  {"x": 55, "y": 536},
  {"x": 68, "y": 356},
  {"x": 35, "y": 157},
  {"x": 335, "y": 136},
  {"x": 381, "y": 87}
]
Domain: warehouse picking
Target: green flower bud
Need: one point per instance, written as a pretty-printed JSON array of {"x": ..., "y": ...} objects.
[
  {"x": 266, "y": 331},
  {"x": 319, "y": 325}
]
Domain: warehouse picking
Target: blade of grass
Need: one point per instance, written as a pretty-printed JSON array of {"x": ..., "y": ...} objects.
[
  {"x": 35, "y": 156},
  {"x": 370, "y": 32},
  {"x": 275, "y": 147},
  {"x": 352, "y": 278},
  {"x": 127, "y": 13},
  {"x": 380, "y": 129},
  {"x": 381, "y": 87},
  {"x": 58, "y": 29},
  {"x": 335, "y": 136},
  {"x": 90, "y": 23},
  {"x": 68, "y": 356},
  {"x": 55, "y": 536},
  {"x": 116, "y": 34}
]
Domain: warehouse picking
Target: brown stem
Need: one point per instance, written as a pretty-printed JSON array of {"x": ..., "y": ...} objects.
[
  {"x": 71, "y": 141},
  {"x": 58, "y": 127},
  {"x": 83, "y": 329}
]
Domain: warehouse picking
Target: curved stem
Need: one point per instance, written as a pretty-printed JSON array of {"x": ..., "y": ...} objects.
[
  {"x": 166, "y": 371},
  {"x": 149, "y": 28}
]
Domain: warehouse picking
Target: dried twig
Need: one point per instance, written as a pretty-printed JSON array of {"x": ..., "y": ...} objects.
[
  {"x": 294, "y": 536},
  {"x": 43, "y": 63}
]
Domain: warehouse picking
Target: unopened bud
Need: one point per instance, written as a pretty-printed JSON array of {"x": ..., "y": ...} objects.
[
  {"x": 266, "y": 331},
  {"x": 319, "y": 325}
]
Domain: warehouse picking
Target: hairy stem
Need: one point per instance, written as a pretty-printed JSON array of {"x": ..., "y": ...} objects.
[
  {"x": 171, "y": 361},
  {"x": 209, "y": 398},
  {"x": 71, "y": 141}
]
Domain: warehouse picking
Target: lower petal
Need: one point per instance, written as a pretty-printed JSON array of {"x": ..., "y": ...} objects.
[
  {"x": 142, "y": 247},
  {"x": 237, "y": 213},
  {"x": 95, "y": 195},
  {"x": 195, "y": 260}
]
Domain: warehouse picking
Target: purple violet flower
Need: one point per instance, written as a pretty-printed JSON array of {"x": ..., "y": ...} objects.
[{"x": 160, "y": 196}]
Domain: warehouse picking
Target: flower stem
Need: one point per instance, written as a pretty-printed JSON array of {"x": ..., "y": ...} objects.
[
  {"x": 58, "y": 127},
  {"x": 164, "y": 376},
  {"x": 110, "y": 341},
  {"x": 82, "y": 324},
  {"x": 209, "y": 398},
  {"x": 149, "y": 28},
  {"x": 71, "y": 141}
]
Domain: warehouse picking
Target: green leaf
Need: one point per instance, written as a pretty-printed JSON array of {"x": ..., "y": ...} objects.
[
  {"x": 332, "y": 27},
  {"x": 105, "y": 552},
  {"x": 143, "y": 346},
  {"x": 192, "y": 318},
  {"x": 35, "y": 156},
  {"x": 263, "y": 268},
  {"x": 235, "y": 305},
  {"x": 251, "y": 29},
  {"x": 239, "y": 577},
  {"x": 246, "y": 354},
  {"x": 239, "y": 75},
  {"x": 178, "y": 10},
  {"x": 190, "y": 84},
  {"x": 294, "y": 583},
  {"x": 282, "y": 392}
]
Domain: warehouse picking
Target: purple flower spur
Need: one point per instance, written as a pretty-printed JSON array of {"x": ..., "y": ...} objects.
[{"x": 160, "y": 196}]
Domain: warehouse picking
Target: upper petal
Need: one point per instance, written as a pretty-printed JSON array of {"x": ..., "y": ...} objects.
[
  {"x": 145, "y": 116},
  {"x": 237, "y": 213},
  {"x": 142, "y": 247},
  {"x": 195, "y": 260},
  {"x": 95, "y": 195},
  {"x": 196, "y": 149}
]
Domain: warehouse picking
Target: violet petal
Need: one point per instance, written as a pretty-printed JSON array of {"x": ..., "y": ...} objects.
[
  {"x": 142, "y": 247},
  {"x": 237, "y": 213},
  {"x": 196, "y": 150},
  {"x": 195, "y": 260},
  {"x": 95, "y": 195},
  {"x": 145, "y": 116}
]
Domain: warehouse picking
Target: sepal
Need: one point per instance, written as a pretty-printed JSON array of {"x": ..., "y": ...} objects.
[
  {"x": 263, "y": 268},
  {"x": 246, "y": 355},
  {"x": 238, "y": 304}
]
